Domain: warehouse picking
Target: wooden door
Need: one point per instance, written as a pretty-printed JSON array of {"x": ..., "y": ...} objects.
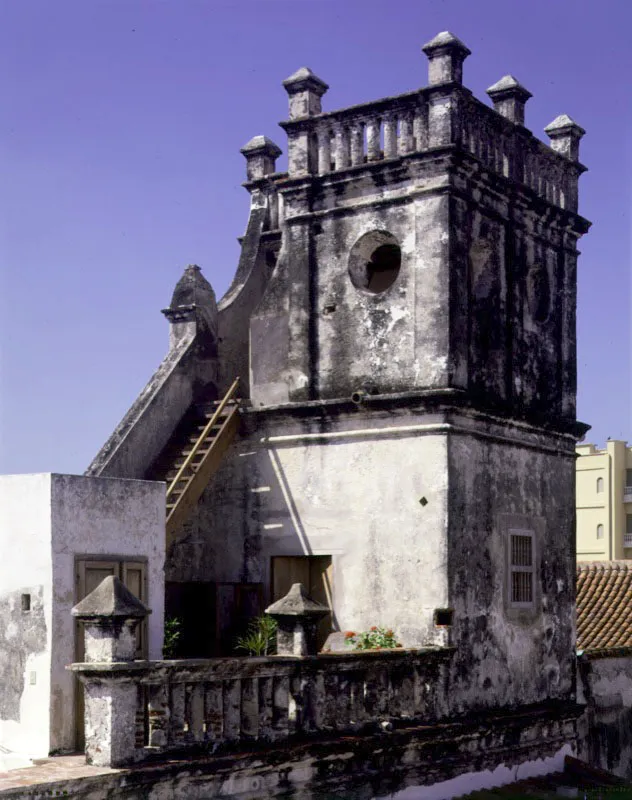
[
  {"x": 88, "y": 575},
  {"x": 316, "y": 575}
]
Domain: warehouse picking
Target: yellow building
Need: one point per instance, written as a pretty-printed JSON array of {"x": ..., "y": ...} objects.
[{"x": 604, "y": 502}]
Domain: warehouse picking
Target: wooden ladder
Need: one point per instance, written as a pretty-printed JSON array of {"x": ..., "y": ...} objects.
[{"x": 201, "y": 459}]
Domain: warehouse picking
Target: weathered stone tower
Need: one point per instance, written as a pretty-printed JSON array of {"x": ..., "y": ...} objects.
[{"x": 403, "y": 322}]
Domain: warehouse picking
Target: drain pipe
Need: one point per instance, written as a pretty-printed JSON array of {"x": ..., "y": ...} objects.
[{"x": 358, "y": 397}]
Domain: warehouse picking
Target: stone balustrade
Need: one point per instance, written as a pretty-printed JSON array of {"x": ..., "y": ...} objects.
[
  {"x": 221, "y": 702},
  {"x": 444, "y": 114},
  {"x": 371, "y": 132},
  {"x": 136, "y": 710},
  {"x": 512, "y": 151},
  {"x": 413, "y": 123}
]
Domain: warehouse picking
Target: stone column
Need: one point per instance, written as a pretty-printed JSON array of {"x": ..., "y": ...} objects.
[
  {"x": 297, "y": 617},
  {"x": 373, "y": 139},
  {"x": 324, "y": 150},
  {"x": 406, "y": 134},
  {"x": 111, "y": 614},
  {"x": 357, "y": 143},
  {"x": 343, "y": 155},
  {"x": 390, "y": 136}
]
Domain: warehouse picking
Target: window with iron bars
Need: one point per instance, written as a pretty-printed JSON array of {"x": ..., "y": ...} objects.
[{"x": 521, "y": 569}]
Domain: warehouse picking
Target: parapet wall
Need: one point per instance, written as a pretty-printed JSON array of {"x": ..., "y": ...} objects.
[{"x": 442, "y": 114}]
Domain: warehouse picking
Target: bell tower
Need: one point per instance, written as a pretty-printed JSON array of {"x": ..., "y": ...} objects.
[
  {"x": 413, "y": 371},
  {"x": 429, "y": 244}
]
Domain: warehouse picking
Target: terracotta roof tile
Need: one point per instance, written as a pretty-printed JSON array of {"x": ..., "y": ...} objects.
[{"x": 604, "y": 605}]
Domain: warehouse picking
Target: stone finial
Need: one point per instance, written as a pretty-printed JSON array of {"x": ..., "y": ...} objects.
[
  {"x": 565, "y": 135},
  {"x": 261, "y": 154},
  {"x": 509, "y": 98},
  {"x": 297, "y": 617},
  {"x": 110, "y": 614},
  {"x": 446, "y": 55},
  {"x": 193, "y": 299},
  {"x": 305, "y": 91}
]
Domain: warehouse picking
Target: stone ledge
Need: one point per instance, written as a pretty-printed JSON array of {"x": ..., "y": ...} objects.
[{"x": 382, "y": 762}]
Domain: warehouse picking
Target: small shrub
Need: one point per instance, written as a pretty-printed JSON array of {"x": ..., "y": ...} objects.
[
  {"x": 374, "y": 639},
  {"x": 172, "y": 636},
  {"x": 260, "y": 637}
]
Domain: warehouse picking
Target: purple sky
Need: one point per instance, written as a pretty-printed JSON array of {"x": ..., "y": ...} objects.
[{"x": 121, "y": 123}]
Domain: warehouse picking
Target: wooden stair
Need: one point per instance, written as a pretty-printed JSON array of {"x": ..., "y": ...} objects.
[{"x": 194, "y": 455}]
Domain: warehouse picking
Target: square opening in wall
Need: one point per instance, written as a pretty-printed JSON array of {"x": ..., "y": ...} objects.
[
  {"x": 443, "y": 617},
  {"x": 26, "y": 602}
]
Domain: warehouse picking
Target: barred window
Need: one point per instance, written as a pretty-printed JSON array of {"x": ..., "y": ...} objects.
[{"x": 521, "y": 569}]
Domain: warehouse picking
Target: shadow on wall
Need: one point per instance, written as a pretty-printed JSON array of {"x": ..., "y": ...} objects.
[{"x": 286, "y": 551}]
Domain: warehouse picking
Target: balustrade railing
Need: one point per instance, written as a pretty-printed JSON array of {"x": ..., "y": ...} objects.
[
  {"x": 221, "y": 702},
  {"x": 388, "y": 129},
  {"x": 371, "y": 132},
  {"x": 511, "y": 151}
]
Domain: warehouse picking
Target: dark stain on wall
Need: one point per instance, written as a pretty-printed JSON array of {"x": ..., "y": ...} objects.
[{"x": 22, "y": 633}]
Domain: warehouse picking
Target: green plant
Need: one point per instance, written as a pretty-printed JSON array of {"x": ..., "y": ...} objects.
[
  {"x": 260, "y": 637},
  {"x": 173, "y": 632},
  {"x": 374, "y": 639}
]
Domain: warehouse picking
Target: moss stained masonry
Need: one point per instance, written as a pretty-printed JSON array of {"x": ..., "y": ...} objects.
[{"x": 501, "y": 747}]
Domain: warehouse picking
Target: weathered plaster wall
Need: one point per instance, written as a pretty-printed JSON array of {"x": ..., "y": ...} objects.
[
  {"x": 46, "y": 522},
  {"x": 257, "y": 260},
  {"x": 315, "y": 334},
  {"x": 605, "y": 732},
  {"x": 99, "y": 516},
  {"x": 502, "y": 478},
  {"x": 25, "y": 635},
  {"x": 350, "y": 489},
  {"x": 395, "y": 340},
  {"x": 149, "y": 424}
]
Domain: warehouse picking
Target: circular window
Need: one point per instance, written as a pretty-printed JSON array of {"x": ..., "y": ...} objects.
[{"x": 374, "y": 262}]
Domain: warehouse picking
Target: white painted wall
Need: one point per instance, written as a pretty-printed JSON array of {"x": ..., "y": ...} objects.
[
  {"x": 351, "y": 492},
  {"x": 93, "y": 516},
  {"x": 357, "y": 499},
  {"x": 46, "y": 522},
  {"x": 25, "y": 567}
]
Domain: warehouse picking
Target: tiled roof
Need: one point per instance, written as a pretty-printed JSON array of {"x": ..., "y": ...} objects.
[{"x": 604, "y": 605}]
